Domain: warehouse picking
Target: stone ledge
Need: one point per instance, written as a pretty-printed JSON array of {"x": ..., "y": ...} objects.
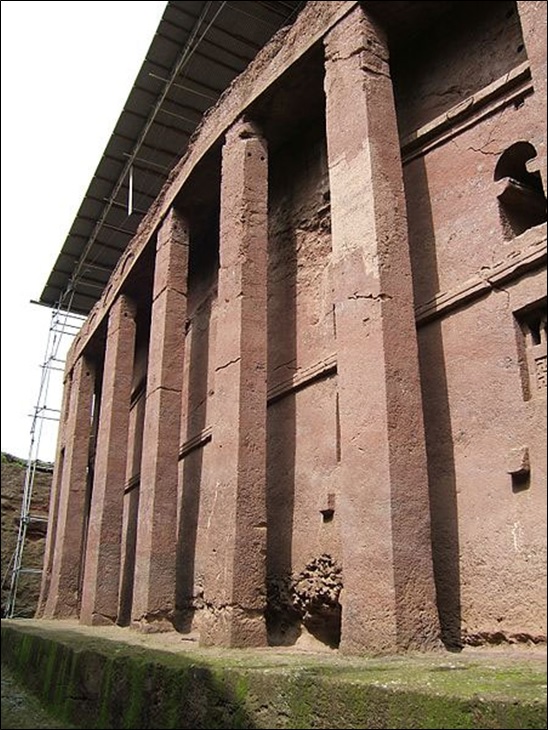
[
  {"x": 196, "y": 442},
  {"x": 531, "y": 256},
  {"x": 113, "y": 678},
  {"x": 303, "y": 377},
  {"x": 511, "y": 87}
]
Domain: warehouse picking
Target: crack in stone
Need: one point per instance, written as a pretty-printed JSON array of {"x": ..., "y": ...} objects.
[
  {"x": 226, "y": 365},
  {"x": 373, "y": 297}
]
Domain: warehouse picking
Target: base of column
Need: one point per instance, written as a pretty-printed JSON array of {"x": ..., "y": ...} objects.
[
  {"x": 233, "y": 626},
  {"x": 58, "y": 612},
  {"x": 152, "y": 625},
  {"x": 97, "y": 619},
  {"x": 415, "y": 629}
]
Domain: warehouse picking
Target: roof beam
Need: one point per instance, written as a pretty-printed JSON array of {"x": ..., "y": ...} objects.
[
  {"x": 107, "y": 246},
  {"x": 108, "y": 156},
  {"x": 186, "y": 54},
  {"x": 146, "y": 162},
  {"x": 212, "y": 89},
  {"x": 151, "y": 146},
  {"x": 274, "y": 7},
  {"x": 208, "y": 42},
  {"x": 184, "y": 87},
  {"x": 156, "y": 122},
  {"x": 206, "y": 56},
  {"x": 115, "y": 203},
  {"x": 269, "y": 23},
  {"x": 97, "y": 283},
  {"x": 199, "y": 112},
  {"x": 108, "y": 225},
  {"x": 255, "y": 47}
]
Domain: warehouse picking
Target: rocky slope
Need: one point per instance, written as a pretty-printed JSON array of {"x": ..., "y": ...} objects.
[{"x": 13, "y": 480}]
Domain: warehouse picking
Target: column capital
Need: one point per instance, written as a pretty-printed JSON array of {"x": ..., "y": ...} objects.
[
  {"x": 358, "y": 34},
  {"x": 243, "y": 128},
  {"x": 123, "y": 307},
  {"x": 173, "y": 229}
]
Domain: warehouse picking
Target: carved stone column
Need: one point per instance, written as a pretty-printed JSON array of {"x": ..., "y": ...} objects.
[
  {"x": 388, "y": 597},
  {"x": 64, "y": 592},
  {"x": 237, "y": 535},
  {"x": 154, "y": 588},
  {"x": 102, "y": 564}
]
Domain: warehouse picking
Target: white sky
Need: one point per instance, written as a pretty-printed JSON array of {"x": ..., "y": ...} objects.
[{"x": 67, "y": 69}]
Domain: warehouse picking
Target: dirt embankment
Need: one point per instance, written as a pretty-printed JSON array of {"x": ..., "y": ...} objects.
[{"x": 13, "y": 480}]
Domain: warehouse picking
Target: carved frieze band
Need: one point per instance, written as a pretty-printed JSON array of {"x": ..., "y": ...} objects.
[
  {"x": 132, "y": 483},
  {"x": 516, "y": 263},
  {"x": 541, "y": 372},
  {"x": 510, "y": 87},
  {"x": 196, "y": 442},
  {"x": 303, "y": 377}
]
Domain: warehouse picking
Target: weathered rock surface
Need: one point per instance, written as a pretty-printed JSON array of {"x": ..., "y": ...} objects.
[{"x": 13, "y": 480}]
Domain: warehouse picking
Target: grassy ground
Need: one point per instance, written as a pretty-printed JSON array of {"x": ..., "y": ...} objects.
[{"x": 123, "y": 678}]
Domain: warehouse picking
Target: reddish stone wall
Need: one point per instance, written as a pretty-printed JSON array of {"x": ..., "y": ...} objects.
[
  {"x": 454, "y": 214},
  {"x": 13, "y": 480},
  {"x": 197, "y": 486},
  {"x": 460, "y": 55},
  {"x": 488, "y": 537},
  {"x": 302, "y": 425},
  {"x": 462, "y": 101},
  {"x": 500, "y": 531}
]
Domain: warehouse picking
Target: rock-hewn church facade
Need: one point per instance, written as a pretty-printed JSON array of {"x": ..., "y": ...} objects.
[{"x": 311, "y": 399}]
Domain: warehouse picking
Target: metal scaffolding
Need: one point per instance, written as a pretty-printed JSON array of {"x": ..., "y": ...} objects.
[{"x": 63, "y": 325}]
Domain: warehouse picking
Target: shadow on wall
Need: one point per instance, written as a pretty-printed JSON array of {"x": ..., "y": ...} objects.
[
  {"x": 304, "y": 602},
  {"x": 522, "y": 202},
  {"x": 437, "y": 418},
  {"x": 283, "y": 623},
  {"x": 128, "y": 566},
  {"x": 185, "y": 594},
  {"x": 135, "y": 453}
]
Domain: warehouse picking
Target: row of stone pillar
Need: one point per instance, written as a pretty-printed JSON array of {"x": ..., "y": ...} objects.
[
  {"x": 383, "y": 490},
  {"x": 240, "y": 399},
  {"x": 389, "y": 596},
  {"x": 95, "y": 546}
]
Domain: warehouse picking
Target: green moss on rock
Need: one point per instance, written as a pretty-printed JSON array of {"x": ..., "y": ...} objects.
[{"x": 99, "y": 683}]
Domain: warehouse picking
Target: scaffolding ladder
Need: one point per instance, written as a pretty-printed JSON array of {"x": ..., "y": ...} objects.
[{"x": 63, "y": 325}]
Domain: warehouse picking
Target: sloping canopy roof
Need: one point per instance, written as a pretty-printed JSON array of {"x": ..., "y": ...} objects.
[{"x": 198, "y": 49}]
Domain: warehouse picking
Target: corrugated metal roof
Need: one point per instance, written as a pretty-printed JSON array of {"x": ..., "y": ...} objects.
[{"x": 197, "y": 51}]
